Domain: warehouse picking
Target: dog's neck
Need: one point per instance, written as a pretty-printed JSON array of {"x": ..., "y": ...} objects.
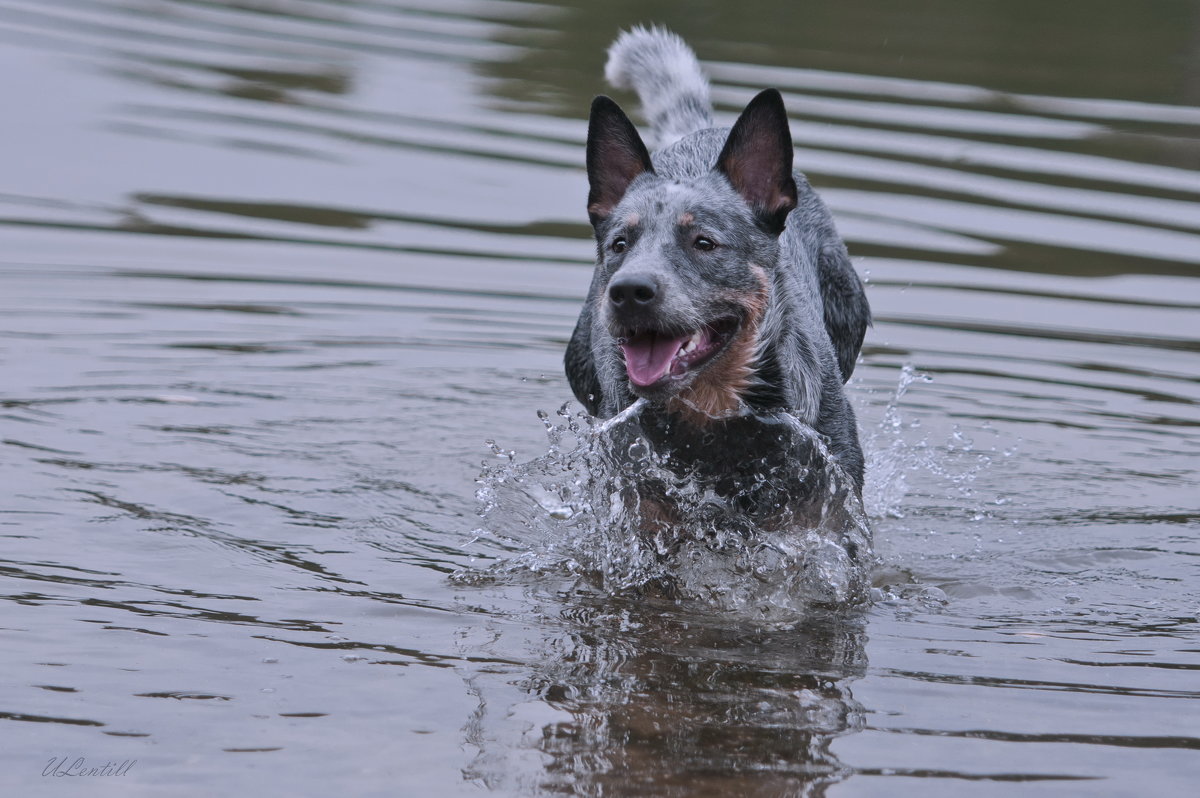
[{"x": 718, "y": 392}]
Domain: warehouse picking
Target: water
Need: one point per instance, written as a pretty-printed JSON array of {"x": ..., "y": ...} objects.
[
  {"x": 785, "y": 539},
  {"x": 273, "y": 273}
]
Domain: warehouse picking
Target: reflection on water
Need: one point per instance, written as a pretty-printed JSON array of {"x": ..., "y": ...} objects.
[
  {"x": 273, "y": 273},
  {"x": 643, "y": 699}
]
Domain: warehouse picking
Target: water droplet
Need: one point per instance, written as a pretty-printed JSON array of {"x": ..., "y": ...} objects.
[{"x": 933, "y": 597}]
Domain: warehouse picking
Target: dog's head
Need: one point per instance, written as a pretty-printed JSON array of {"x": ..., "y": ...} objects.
[{"x": 683, "y": 264}]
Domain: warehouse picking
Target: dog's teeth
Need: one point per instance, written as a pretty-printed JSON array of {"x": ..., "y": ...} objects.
[{"x": 691, "y": 344}]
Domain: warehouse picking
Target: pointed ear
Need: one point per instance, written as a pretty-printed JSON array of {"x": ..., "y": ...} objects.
[
  {"x": 757, "y": 159},
  {"x": 615, "y": 156}
]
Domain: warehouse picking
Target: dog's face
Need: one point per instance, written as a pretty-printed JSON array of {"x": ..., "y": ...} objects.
[
  {"x": 684, "y": 265},
  {"x": 682, "y": 283}
]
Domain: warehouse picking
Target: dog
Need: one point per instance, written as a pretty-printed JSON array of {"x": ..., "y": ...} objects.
[{"x": 722, "y": 294}]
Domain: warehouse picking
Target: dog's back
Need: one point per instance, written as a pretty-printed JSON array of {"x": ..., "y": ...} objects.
[{"x": 771, "y": 292}]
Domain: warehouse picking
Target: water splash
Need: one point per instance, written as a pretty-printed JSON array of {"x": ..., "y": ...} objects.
[
  {"x": 788, "y": 537},
  {"x": 889, "y": 455},
  {"x": 927, "y": 481},
  {"x": 749, "y": 515},
  {"x": 897, "y": 448}
]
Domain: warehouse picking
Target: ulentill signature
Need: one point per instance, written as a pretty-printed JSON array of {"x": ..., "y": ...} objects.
[{"x": 61, "y": 766}]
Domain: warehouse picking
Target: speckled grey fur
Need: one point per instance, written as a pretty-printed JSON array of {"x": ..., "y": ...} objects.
[{"x": 817, "y": 311}]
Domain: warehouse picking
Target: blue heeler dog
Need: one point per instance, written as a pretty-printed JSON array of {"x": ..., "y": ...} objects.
[{"x": 722, "y": 295}]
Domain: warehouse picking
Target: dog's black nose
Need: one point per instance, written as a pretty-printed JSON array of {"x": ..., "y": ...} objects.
[{"x": 633, "y": 290}]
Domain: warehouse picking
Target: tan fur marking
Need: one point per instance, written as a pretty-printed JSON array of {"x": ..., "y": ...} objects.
[
  {"x": 718, "y": 390},
  {"x": 632, "y": 220},
  {"x": 686, "y": 219},
  {"x": 658, "y": 523}
]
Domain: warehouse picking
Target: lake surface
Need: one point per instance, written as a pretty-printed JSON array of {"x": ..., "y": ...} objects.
[{"x": 273, "y": 273}]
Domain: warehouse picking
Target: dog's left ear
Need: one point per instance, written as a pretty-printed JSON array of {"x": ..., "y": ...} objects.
[
  {"x": 757, "y": 159},
  {"x": 616, "y": 155}
]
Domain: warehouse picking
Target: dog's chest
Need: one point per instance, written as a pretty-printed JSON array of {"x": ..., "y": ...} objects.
[{"x": 742, "y": 473}]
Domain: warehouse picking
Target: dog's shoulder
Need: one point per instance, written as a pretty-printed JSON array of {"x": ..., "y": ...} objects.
[
  {"x": 847, "y": 314},
  {"x": 581, "y": 367}
]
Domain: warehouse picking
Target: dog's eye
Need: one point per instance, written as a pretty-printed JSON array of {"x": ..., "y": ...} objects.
[
  {"x": 704, "y": 244},
  {"x": 619, "y": 245}
]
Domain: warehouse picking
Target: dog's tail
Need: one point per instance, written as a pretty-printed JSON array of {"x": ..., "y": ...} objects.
[{"x": 664, "y": 72}]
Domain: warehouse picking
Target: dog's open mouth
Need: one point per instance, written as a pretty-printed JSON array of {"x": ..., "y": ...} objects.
[{"x": 653, "y": 357}]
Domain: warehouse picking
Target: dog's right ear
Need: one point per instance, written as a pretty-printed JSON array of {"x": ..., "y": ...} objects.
[{"x": 615, "y": 157}]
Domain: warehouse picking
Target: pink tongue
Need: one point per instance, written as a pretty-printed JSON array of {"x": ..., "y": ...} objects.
[{"x": 648, "y": 356}]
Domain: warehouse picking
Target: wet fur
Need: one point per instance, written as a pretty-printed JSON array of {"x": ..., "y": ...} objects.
[
  {"x": 719, "y": 390},
  {"x": 781, "y": 268}
]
